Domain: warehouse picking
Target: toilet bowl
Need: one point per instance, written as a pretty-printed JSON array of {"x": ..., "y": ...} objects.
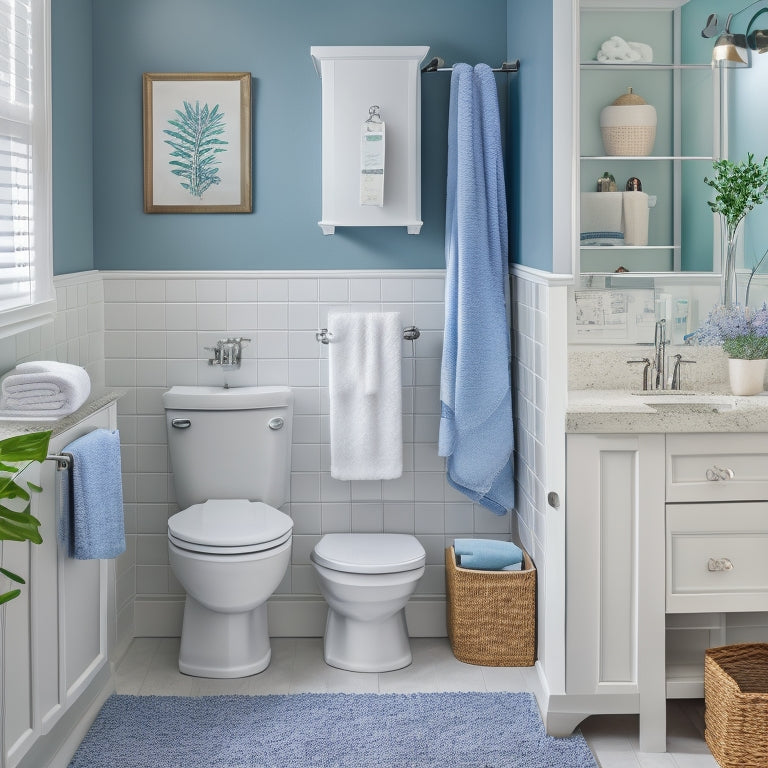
[
  {"x": 366, "y": 579},
  {"x": 229, "y": 555},
  {"x": 229, "y": 546}
]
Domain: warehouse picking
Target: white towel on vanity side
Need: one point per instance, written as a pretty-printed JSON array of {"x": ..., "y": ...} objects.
[
  {"x": 364, "y": 385},
  {"x": 44, "y": 387}
]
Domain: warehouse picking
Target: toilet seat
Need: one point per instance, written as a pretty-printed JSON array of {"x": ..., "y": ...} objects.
[
  {"x": 369, "y": 552},
  {"x": 229, "y": 527}
]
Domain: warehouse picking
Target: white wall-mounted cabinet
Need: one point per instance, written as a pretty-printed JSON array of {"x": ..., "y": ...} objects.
[{"x": 355, "y": 78}]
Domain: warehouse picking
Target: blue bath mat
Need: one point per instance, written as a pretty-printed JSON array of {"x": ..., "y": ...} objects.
[{"x": 328, "y": 730}]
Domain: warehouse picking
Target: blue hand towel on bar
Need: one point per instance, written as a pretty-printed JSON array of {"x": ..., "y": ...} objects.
[
  {"x": 487, "y": 554},
  {"x": 476, "y": 432},
  {"x": 97, "y": 529}
]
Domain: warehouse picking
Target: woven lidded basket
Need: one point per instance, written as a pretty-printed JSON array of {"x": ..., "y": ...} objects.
[
  {"x": 491, "y": 615},
  {"x": 628, "y": 126},
  {"x": 736, "y": 699}
]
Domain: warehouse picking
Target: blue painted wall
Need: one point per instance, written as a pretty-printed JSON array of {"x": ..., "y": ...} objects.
[
  {"x": 271, "y": 40},
  {"x": 72, "y": 139},
  {"x": 529, "y": 165}
]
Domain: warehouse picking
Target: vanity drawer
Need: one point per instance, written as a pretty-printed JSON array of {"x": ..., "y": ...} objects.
[
  {"x": 717, "y": 467},
  {"x": 717, "y": 557}
]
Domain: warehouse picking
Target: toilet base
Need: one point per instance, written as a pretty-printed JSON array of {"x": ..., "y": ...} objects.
[
  {"x": 367, "y": 646},
  {"x": 223, "y": 645}
]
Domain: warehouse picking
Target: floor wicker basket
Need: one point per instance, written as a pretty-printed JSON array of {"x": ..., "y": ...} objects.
[
  {"x": 491, "y": 615},
  {"x": 736, "y": 699}
]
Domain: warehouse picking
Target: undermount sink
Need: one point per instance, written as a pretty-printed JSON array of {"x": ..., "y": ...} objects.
[{"x": 682, "y": 400}]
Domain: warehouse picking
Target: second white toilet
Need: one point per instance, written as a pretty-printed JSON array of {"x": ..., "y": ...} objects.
[{"x": 366, "y": 579}]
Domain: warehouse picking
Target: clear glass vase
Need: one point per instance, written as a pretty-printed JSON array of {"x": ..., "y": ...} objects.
[{"x": 729, "y": 290}]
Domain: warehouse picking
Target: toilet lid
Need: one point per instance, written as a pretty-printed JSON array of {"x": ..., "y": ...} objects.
[
  {"x": 369, "y": 552},
  {"x": 230, "y": 523}
]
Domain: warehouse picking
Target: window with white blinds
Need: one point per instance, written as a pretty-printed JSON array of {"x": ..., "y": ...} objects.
[{"x": 25, "y": 209}]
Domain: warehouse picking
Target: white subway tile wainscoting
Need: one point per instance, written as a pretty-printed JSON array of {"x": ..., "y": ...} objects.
[{"x": 156, "y": 328}]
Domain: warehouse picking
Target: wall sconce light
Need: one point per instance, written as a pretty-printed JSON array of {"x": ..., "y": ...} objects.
[{"x": 732, "y": 49}]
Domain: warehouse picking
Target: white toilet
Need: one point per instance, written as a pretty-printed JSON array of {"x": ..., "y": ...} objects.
[
  {"x": 228, "y": 546},
  {"x": 366, "y": 579}
]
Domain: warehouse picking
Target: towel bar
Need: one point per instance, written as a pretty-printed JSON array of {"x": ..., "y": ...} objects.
[
  {"x": 324, "y": 336},
  {"x": 63, "y": 460}
]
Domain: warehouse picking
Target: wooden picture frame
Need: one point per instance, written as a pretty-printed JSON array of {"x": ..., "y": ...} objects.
[{"x": 197, "y": 142}]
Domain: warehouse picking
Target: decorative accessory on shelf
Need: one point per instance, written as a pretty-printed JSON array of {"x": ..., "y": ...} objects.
[
  {"x": 628, "y": 126},
  {"x": 740, "y": 187},
  {"x": 743, "y": 334},
  {"x": 617, "y": 50}
]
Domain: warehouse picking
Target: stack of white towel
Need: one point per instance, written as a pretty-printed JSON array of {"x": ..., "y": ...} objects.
[{"x": 43, "y": 389}]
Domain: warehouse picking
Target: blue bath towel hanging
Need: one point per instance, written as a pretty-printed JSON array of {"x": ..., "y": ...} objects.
[{"x": 475, "y": 389}]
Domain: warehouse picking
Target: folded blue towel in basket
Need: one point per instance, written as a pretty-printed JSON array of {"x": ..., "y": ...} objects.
[{"x": 487, "y": 554}]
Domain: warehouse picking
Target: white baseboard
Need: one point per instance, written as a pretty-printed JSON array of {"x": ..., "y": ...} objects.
[{"x": 289, "y": 616}]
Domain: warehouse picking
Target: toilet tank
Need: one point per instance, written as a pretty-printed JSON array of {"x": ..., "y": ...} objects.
[{"x": 229, "y": 443}]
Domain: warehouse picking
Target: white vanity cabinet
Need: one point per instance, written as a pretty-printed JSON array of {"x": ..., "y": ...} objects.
[
  {"x": 56, "y": 633},
  {"x": 666, "y": 541}
]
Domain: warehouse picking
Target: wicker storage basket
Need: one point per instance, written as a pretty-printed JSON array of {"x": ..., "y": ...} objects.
[
  {"x": 736, "y": 698},
  {"x": 629, "y": 140},
  {"x": 491, "y": 615}
]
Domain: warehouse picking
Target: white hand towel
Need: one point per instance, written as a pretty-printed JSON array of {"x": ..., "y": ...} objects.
[
  {"x": 365, "y": 395},
  {"x": 45, "y": 386},
  {"x": 601, "y": 218}
]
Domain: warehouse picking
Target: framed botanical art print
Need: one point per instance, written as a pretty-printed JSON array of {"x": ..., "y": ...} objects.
[{"x": 197, "y": 142}]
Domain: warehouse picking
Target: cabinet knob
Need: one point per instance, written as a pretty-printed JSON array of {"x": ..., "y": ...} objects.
[
  {"x": 720, "y": 473},
  {"x": 719, "y": 564}
]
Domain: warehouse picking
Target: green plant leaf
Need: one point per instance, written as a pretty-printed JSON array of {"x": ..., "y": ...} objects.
[
  {"x": 6, "y": 596},
  {"x": 12, "y": 576},
  {"x": 34, "y": 488},
  {"x": 28, "y": 447}
]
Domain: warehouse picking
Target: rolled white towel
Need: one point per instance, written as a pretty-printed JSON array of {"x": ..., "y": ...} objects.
[
  {"x": 616, "y": 50},
  {"x": 48, "y": 387}
]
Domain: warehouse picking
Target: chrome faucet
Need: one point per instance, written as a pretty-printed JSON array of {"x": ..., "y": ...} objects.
[
  {"x": 227, "y": 353},
  {"x": 646, "y": 363},
  {"x": 654, "y": 371},
  {"x": 660, "y": 355},
  {"x": 677, "y": 382}
]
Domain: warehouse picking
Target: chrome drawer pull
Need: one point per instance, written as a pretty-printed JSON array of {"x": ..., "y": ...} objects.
[
  {"x": 719, "y": 564},
  {"x": 718, "y": 473}
]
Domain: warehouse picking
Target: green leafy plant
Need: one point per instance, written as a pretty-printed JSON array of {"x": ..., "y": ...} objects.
[
  {"x": 740, "y": 187},
  {"x": 16, "y": 453},
  {"x": 194, "y": 143}
]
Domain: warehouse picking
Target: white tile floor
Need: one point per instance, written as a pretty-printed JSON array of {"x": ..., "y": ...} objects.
[{"x": 150, "y": 668}]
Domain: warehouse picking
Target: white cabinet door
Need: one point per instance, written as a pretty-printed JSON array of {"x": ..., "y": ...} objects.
[{"x": 615, "y": 577}]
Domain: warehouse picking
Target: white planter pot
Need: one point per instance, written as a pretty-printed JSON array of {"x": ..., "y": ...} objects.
[{"x": 746, "y": 376}]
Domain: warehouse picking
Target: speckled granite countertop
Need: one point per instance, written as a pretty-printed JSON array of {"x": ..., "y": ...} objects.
[
  {"x": 97, "y": 400},
  {"x": 622, "y": 411}
]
